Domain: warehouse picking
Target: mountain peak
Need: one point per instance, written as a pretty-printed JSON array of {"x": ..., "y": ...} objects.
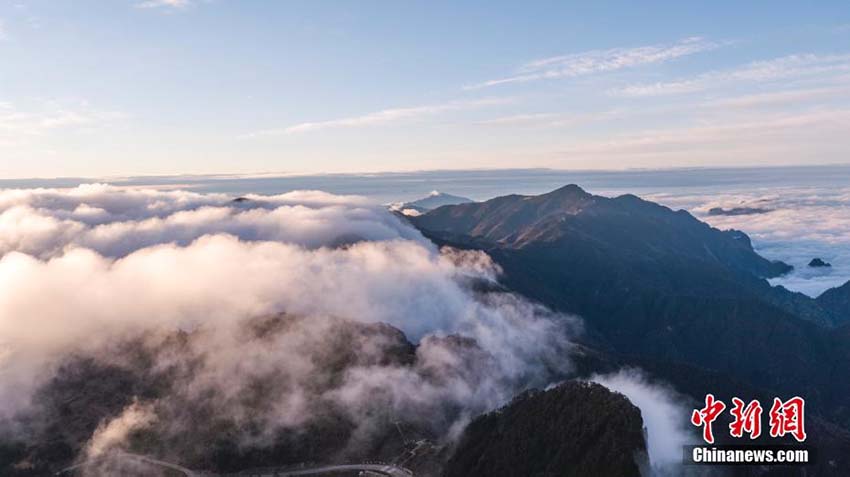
[
  {"x": 569, "y": 199},
  {"x": 573, "y": 220},
  {"x": 568, "y": 190},
  {"x": 433, "y": 200},
  {"x": 514, "y": 219}
]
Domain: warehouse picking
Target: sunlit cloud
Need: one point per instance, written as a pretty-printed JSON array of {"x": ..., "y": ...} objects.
[
  {"x": 326, "y": 263},
  {"x": 601, "y": 61}
]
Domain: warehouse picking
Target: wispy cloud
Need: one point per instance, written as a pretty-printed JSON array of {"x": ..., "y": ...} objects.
[
  {"x": 781, "y": 97},
  {"x": 553, "y": 119},
  {"x": 383, "y": 116},
  {"x": 601, "y": 61},
  {"x": 792, "y": 66},
  {"x": 17, "y": 124},
  {"x": 776, "y": 131},
  {"x": 844, "y": 28},
  {"x": 516, "y": 119},
  {"x": 170, "y": 4}
]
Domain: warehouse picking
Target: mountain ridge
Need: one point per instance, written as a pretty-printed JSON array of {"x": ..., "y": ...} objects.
[
  {"x": 657, "y": 284},
  {"x": 517, "y": 221}
]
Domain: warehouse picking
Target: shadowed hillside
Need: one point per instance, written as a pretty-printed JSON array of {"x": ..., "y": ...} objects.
[
  {"x": 658, "y": 284},
  {"x": 574, "y": 429}
]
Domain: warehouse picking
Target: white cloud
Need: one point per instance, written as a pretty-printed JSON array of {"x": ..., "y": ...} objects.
[
  {"x": 58, "y": 296},
  {"x": 658, "y": 89},
  {"x": 384, "y": 116},
  {"x": 171, "y": 4},
  {"x": 663, "y": 416},
  {"x": 802, "y": 223},
  {"x": 116, "y": 222},
  {"x": 601, "y": 61},
  {"x": 763, "y": 129},
  {"x": 553, "y": 119},
  {"x": 792, "y": 66},
  {"x": 17, "y": 124},
  {"x": 780, "y": 97},
  {"x": 522, "y": 119},
  {"x": 114, "y": 432},
  {"x": 844, "y": 28}
]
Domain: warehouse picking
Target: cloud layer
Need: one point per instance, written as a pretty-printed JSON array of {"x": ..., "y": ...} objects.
[
  {"x": 664, "y": 417},
  {"x": 800, "y": 223},
  {"x": 86, "y": 269},
  {"x": 115, "y": 222},
  {"x": 783, "y": 68}
]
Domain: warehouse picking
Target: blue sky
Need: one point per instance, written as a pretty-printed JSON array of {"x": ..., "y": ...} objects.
[{"x": 105, "y": 88}]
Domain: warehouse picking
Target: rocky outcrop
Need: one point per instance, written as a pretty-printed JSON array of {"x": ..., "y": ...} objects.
[{"x": 818, "y": 262}]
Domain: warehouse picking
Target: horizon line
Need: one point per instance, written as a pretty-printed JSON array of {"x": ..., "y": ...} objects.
[{"x": 283, "y": 174}]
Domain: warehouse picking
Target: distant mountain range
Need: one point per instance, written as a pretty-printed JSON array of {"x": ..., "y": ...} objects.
[
  {"x": 641, "y": 233},
  {"x": 432, "y": 201}
]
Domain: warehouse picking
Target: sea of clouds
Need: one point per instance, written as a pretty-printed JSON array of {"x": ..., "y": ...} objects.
[
  {"x": 85, "y": 268},
  {"x": 795, "y": 225}
]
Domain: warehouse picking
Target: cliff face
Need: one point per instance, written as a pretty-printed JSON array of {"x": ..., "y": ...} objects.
[{"x": 574, "y": 429}]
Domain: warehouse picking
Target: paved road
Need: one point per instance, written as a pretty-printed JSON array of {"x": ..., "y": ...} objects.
[
  {"x": 139, "y": 458},
  {"x": 383, "y": 469}
]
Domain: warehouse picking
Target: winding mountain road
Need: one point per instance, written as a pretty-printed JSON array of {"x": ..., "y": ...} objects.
[
  {"x": 382, "y": 469},
  {"x": 387, "y": 470},
  {"x": 138, "y": 458}
]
